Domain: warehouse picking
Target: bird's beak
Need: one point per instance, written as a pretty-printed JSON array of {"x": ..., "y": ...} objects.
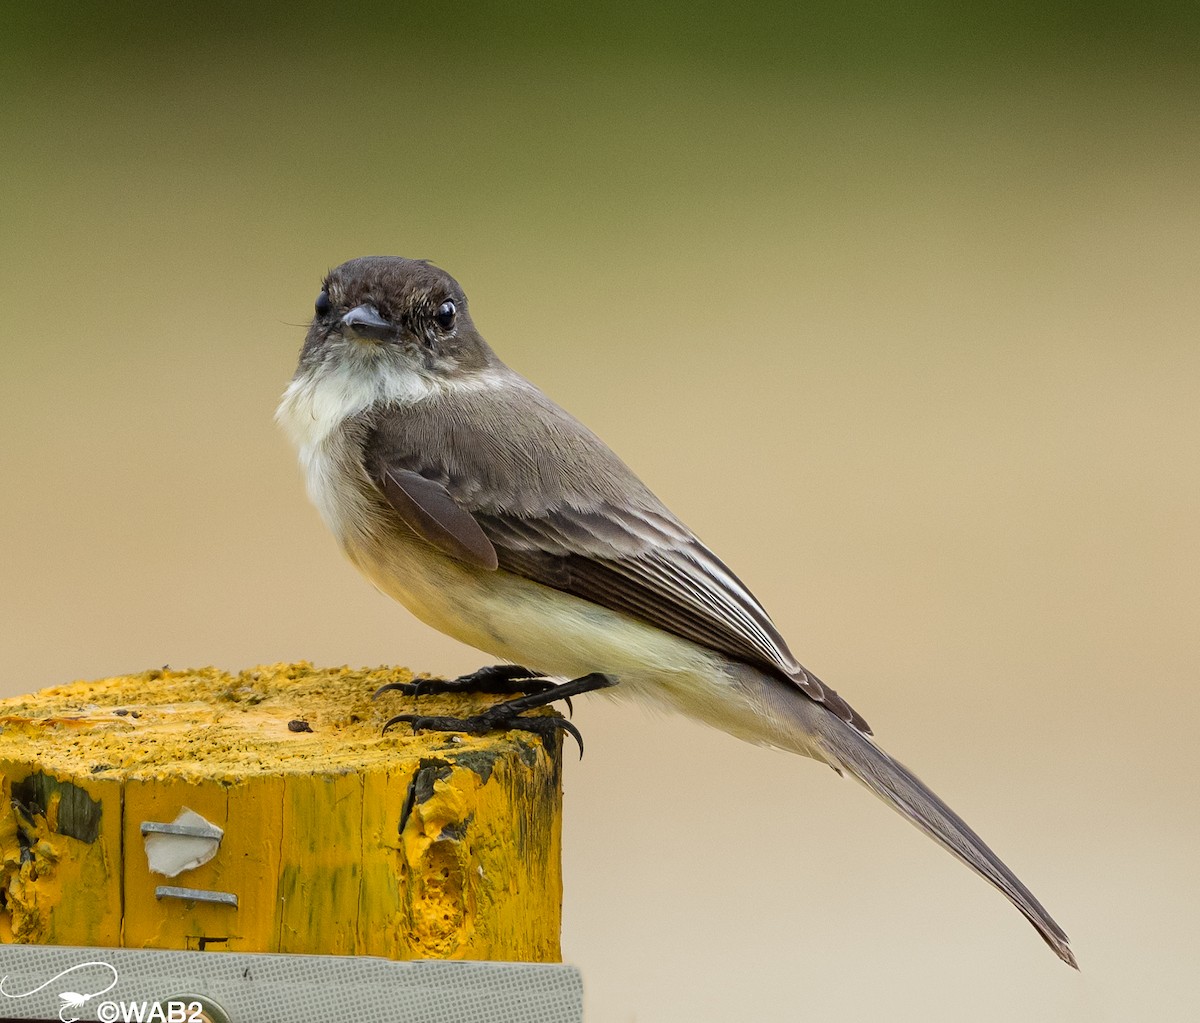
[{"x": 364, "y": 321}]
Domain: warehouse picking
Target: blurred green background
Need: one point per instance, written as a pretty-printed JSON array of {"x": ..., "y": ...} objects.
[{"x": 895, "y": 305}]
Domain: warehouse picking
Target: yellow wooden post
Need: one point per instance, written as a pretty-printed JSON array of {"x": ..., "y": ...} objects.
[{"x": 335, "y": 840}]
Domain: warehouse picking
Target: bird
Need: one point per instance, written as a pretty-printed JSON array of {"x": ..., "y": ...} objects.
[{"x": 458, "y": 488}]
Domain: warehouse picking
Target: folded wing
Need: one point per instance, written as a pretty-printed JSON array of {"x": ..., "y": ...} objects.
[{"x": 556, "y": 506}]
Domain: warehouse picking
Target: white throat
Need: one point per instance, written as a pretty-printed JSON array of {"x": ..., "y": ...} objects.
[{"x": 320, "y": 399}]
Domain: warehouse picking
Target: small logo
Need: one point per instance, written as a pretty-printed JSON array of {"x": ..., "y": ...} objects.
[
  {"x": 174, "y": 1010},
  {"x": 72, "y": 1001}
]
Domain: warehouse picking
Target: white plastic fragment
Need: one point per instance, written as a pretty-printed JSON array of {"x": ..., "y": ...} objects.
[{"x": 172, "y": 854}]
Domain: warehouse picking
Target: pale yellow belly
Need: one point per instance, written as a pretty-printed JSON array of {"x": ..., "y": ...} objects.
[{"x": 555, "y": 633}]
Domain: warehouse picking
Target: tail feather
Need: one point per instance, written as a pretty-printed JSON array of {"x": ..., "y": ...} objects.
[{"x": 897, "y": 786}]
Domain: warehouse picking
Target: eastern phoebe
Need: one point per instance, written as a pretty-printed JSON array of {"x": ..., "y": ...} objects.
[{"x": 462, "y": 491}]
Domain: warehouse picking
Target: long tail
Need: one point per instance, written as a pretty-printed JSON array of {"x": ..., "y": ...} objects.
[{"x": 897, "y": 786}]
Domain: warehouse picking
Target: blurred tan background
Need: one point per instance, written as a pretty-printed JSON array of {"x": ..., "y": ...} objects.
[{"x": 897, "y": 310}]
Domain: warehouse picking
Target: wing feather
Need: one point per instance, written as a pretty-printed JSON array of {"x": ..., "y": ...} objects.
[
  {"x": 574, "y": 518},
  {"x": 429, "y": 510}
]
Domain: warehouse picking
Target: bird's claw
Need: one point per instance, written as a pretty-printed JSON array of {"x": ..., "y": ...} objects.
[
  {"x": 508, "y": 715},
  {"x": 496, "y": 679},
  {"x": 546, "y": 726}
]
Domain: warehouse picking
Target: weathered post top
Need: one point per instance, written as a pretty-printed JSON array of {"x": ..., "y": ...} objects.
[{"x": 310, "y": 830}]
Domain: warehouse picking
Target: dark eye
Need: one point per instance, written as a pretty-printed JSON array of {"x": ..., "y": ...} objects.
[
  {"x": 323, "y": 304},
  {"x": 445, "y": 315}
]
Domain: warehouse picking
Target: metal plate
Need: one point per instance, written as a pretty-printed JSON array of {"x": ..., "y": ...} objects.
[{"x": 40, "y": 982}]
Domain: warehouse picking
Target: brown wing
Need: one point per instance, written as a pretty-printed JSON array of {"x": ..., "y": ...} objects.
[
  {"x": 558, "y": 507},
  {"x": 430, "y": 511},
  {"x": 627, "y": 562}
]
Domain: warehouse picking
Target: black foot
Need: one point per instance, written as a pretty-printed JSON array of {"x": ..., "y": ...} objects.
[
  {"x": 508, "y": 716},
  {"x": 501, "y": 679}
]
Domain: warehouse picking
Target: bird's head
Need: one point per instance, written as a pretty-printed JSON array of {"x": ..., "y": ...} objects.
[{"x": 382, "y": 313}]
